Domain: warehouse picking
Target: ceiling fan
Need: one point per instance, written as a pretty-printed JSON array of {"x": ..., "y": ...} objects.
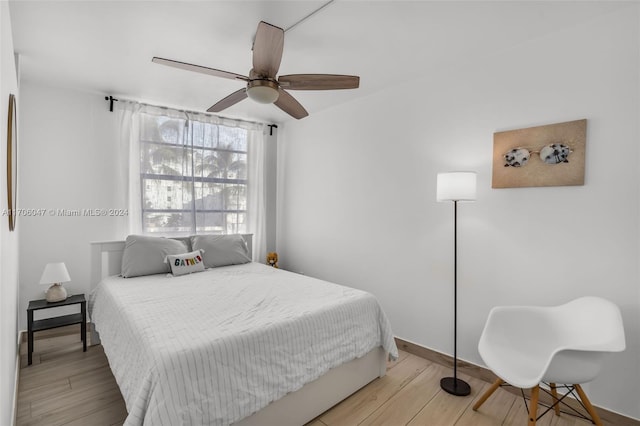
[{"x": 262, "y": 84}]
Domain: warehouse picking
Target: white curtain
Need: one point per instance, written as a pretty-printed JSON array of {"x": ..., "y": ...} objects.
[
  {"x": 129, "y": 172},
  {"x": 256, "y": 200},
  {"x": 129, "y": 114}
]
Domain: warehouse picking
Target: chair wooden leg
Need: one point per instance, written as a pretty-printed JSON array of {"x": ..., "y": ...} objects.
[
  {"x": 554, "y": 394},
  {"x": 488, "y": 393},
  {"x": 533, "y": 406},
  {"x": 588, "y": 406}
]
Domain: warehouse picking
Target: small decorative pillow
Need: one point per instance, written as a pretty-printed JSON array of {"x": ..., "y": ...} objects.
[{"x": 187, "y": 263}]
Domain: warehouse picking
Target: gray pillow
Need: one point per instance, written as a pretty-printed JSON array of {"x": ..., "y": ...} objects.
[
  {"x": 185, "y": 240},
  {"x": 221, "y": 250},
  {"x": 145, "y": 255}
]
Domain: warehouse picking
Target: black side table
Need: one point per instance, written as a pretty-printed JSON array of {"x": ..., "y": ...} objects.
[{"x": 46, "y": 324}]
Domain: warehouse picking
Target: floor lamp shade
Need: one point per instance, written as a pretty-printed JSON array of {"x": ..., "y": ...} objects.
[{"x": 456, "y": 186}]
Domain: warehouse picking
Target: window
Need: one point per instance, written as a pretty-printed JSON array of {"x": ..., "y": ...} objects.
[{"x": 193, "y": 176}]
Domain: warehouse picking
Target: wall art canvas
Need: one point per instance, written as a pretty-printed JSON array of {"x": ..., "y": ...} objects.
[{"x": 551, "y": 155}]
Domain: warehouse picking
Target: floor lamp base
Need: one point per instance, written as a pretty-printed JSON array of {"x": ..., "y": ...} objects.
[{"x": 455, "y": 386}]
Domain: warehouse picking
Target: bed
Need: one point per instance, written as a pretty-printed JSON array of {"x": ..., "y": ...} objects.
[{"x": 241, "y": 344}]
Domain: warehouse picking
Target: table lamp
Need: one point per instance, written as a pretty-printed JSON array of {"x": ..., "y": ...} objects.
[{"x": 55, "y": 274}]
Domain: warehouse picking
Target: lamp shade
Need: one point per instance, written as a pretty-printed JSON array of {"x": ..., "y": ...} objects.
[
  {"x": 55, "y": 273},
  {"x": 456, "y": 186}
]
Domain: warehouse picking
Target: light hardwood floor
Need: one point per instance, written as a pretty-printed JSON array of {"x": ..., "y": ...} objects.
[{"x": 65, "y": 386}]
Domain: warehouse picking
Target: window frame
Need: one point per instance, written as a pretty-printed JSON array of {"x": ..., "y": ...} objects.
[{"x": 192, "y": 180}]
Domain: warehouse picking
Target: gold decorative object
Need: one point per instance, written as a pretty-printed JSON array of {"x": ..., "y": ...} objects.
[{"x": 12, "y": 162}]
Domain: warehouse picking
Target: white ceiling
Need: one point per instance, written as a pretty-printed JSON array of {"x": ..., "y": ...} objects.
[{"x": 106, "y": 46}]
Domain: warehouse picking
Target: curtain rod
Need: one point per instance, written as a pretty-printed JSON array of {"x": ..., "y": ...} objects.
[{"x": 111, "y": 100}]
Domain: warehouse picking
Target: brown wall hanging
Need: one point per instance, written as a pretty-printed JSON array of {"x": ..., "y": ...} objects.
[{"x": 551, "y": 155}]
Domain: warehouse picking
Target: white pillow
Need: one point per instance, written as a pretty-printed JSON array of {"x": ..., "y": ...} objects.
[
  {"x": 187, "y": 263},
  {"x": 221, "y": 250}
]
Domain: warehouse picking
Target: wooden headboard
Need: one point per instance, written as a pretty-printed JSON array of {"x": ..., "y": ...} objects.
[{"x": 106, "y": 258}]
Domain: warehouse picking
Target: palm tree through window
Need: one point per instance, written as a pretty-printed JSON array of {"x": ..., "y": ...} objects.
[{"x": 193, "y": 176}]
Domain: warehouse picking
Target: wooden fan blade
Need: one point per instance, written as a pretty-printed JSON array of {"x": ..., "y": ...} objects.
[
  {"x": 267, "y": 50},
  {"x": 200, "y": 69},
  {"x": 288, "y": 104},
  {"x": 230, "y": 100},
  {"x": 319, "y": 81}
]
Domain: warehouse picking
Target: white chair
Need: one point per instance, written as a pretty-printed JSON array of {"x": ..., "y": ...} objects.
[{"x": 528, "y": 345}]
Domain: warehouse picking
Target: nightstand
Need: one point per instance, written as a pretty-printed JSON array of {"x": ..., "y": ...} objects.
[{"x": 61, "y": 321}]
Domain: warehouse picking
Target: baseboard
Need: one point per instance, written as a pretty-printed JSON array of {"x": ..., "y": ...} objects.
[
  {"x": 487, "y": 375},
  {"x": 14, "y": 412}
]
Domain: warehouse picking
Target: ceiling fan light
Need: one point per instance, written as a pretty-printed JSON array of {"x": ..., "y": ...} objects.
[{"x": 263, "y": 91}]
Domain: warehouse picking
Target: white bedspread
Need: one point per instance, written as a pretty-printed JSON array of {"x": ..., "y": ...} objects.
[{"x": 214, "y": 347}]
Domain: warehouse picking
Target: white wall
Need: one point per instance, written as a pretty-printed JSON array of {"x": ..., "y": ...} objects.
[
  {"x": 8, "y": 240},
  {"x": 69, "y": 151},
  {"x": 357, "y": 193},
  {"x": 271, "y": 176},
  {"x": 70, "y": 160}
]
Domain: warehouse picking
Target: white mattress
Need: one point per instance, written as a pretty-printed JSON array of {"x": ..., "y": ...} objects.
[{"x": 214, "y": 347}]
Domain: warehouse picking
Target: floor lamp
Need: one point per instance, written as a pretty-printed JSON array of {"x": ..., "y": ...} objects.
[{"x": 456, "y": 186}]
